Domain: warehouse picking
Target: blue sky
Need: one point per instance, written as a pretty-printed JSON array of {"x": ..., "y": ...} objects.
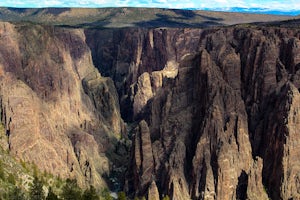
[{"x": 281, "y": 5}]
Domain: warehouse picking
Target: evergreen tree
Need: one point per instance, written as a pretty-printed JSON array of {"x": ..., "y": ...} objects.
[
  {"x": 51, "y": 195},
  {"x": 90, "y": 194},
  {"x": 11, "y": 179},
  {"x": 166, "y": 197},
  {"x": 36, "y": 190},
  {"x": 16, "y": 194},
  {"x": 105, "y": 194},
  {"x": 122, "y": 196},
  {"x": 71, "y": 191},
  {"x": 2, "y": 175}
]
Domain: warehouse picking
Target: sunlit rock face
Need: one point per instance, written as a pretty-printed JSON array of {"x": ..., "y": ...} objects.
[
  {"x": 50, "y": 118},
  {"x": 223, "y": 125},
  {"x": 212, "y": 113}
]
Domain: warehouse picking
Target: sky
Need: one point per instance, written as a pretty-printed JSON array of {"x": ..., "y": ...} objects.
[{"x": 224, "y": 5}]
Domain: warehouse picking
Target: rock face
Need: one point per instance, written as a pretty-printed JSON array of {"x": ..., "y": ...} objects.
[
  {"x": 215, "y": 112},
  {"x": 58, "y": 111},
  {"x": 223, "y": 126},
  {"x": 142, "y": 163}
]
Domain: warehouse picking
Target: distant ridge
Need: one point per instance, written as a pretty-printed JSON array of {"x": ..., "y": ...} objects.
[
  {"x": 133, "y": 17},
  {"x": 267, "y": 11},
  {"x": 264, "y": 11}
]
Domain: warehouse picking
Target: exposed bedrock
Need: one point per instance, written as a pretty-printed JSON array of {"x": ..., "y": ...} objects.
[
  {"x": 212, "y": 113},
  {"x": 221, "y": 106},
  {"x": 50, "y": 118}
]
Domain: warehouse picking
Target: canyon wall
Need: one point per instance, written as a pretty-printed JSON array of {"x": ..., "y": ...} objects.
[
  {"x": 58, "y": 111},
  {"x": 211, "y": 113},
  {"x": 218, "y": 106}
]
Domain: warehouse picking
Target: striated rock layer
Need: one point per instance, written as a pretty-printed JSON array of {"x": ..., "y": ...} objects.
[
  {"x": 58, "y": 111},
  {"x": 220, "y": 107},
  {"x": 214, "y": 112}
]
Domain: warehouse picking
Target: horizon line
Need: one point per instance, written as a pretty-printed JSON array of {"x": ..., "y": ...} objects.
[{"x": 246, "y": 10}]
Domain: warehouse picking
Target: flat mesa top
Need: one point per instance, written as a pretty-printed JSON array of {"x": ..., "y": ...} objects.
[{"x": 133, "y": 17}]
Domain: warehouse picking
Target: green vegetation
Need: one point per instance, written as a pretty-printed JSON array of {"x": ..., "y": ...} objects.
[
  {"x": 122, "y": 196},
  {"x": 16, "y": 194},
  {"x": 51, "y": 195},
  {"x": 90, "y": 194},
  {"x": 166, "y": 197},
  {"x": 139, "y": 198},
  {"x": 71, "y": 190},
  {"x": 36, "y": 190},
  {"x": 2, "y": 176},
  {"x": 24, "y": 181},
  {"x": 11, "y": 179},
  {"x": 105, "y": 194}
]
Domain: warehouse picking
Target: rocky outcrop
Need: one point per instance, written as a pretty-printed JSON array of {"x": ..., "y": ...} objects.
[
  {"x": 142, "y": 163},
  {"x": 253, "y": 182},
  {"x": 290, "y": 187},
  {"x": 153, "y": 193},
  {"x": 213, "y": 113},
  {"x": 126, "y": 54},
  {"x": 221, "y": 126},
  {"x": 105, "y": 99},
  {"x": 143, "y": 93},
  {"x": 49, "y": 117}
]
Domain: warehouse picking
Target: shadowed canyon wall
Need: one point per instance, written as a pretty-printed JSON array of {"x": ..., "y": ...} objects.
[
  {"x": 218, "y": 106},
  {"x": 211, "y": 113}
]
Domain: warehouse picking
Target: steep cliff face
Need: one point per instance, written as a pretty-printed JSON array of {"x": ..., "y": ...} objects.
[
  {"x": 130, "y": 56},
  {"x": 212, "y": 113},
  {"x": 49, "y": 117},
  {"x": 219, "y": 106}
]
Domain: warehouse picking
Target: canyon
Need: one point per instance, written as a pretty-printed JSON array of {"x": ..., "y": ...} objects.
[{"x": 188, "y": 112}]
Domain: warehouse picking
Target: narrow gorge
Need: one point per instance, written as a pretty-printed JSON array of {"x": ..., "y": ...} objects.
[{"x": 192, "y": 113}]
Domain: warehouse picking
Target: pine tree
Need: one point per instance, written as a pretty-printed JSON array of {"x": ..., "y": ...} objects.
[
  {"x": 16, "y": 194},
  {"x": 90, "y": 194},
  {"x": 2, "y": 175},
  {"x": 36, "y": 190},
  {"x": 71, "y": 191},
  {"x": 166, "y": 197},
  {"x": 122, "y": 196},
  {"x": 11, "y": 179},
  {"x": 51, "y": 195},
  {"x": 105, "y": 194}
]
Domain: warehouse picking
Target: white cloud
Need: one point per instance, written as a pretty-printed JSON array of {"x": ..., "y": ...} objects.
[
  {"x": 200, "y": 4},
  {"x": 222, "y": 4},
  {"x": 221, "y": 1},
  {"x": 49, "y": 3}
]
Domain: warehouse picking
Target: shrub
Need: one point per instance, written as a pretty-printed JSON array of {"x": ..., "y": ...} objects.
[
  {"x": 121, "y": 196},
  {"x": 166, "y": 197},
  {"x": 71, "y": 191},
  {"x": 11, "y": 179},
  {"x": 16, "y": 194},
  {"x": 90, "y": 194},
  {"x": 51, "y": 195},
  {"x": 2, "y": 176},
  {"x": 36, "y": 190},
  {"x": 105, "y": 194}
]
